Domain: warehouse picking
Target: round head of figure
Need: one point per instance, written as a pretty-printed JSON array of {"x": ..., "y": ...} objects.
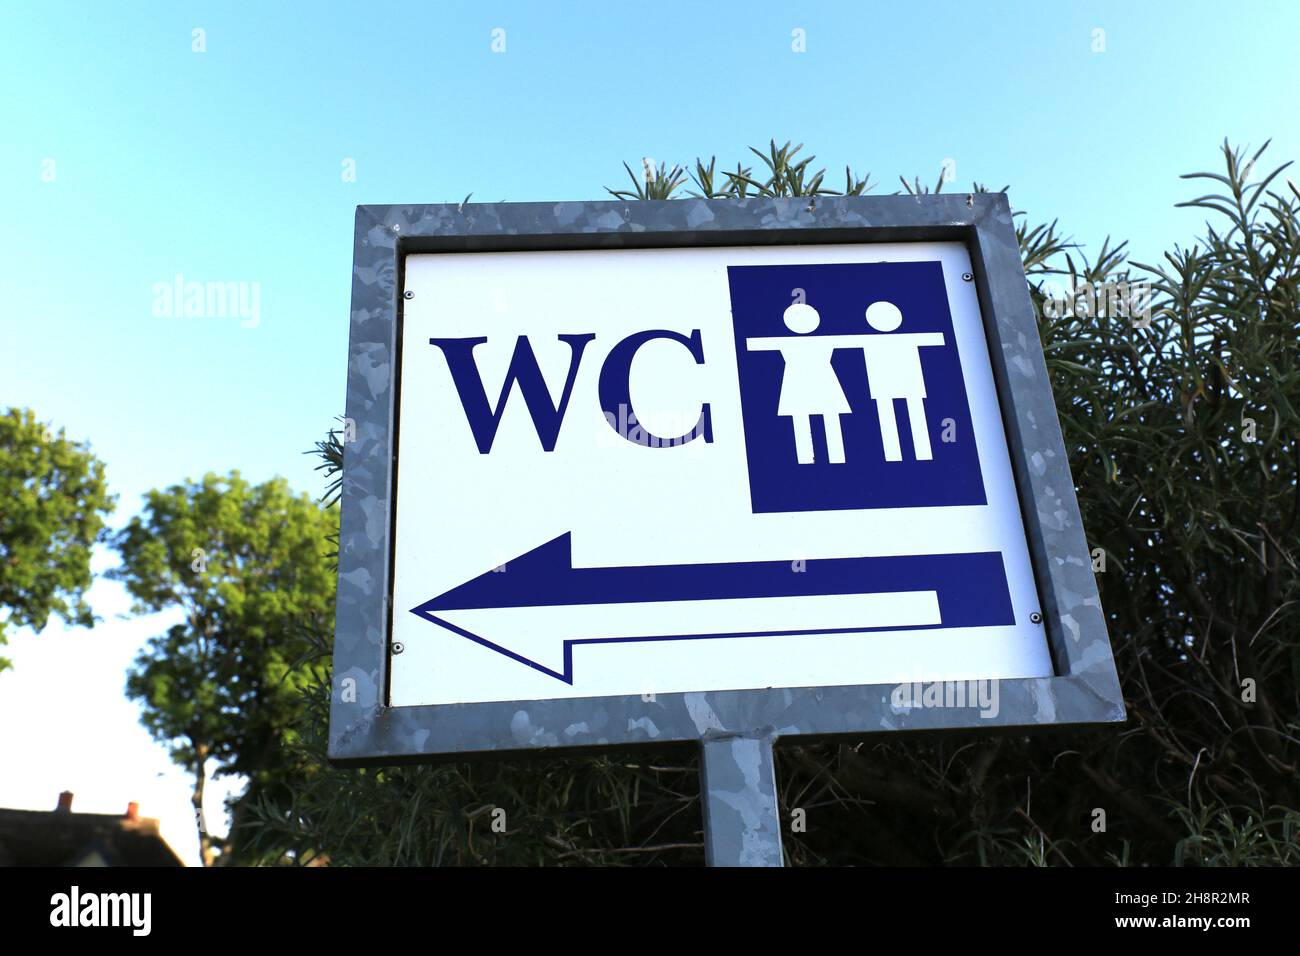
[
  {"x": 884, "y": 316},
  {"x": 802, "y": 318}
]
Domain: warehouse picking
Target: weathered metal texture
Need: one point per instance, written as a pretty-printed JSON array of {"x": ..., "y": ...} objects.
[
  {"x": 738, "y": 790},
  {"x": 364, "y": 730}
]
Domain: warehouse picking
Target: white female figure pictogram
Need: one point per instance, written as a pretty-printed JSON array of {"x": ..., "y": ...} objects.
[{"x": 809, "y": 385}]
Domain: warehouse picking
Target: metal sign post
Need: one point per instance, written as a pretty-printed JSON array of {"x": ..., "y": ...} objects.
[
  {"x": 742, "y": 826},
  {"x": 729, "y": 472}
]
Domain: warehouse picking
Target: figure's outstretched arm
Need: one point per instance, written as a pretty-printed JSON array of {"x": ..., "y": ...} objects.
[
  {"x": 925, "y": 338},
  {"x": 766, "y": 344},
  {"x": 855, "y": 341}
]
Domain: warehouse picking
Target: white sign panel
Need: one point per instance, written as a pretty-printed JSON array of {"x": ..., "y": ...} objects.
[{"x": 665, "y": 470}]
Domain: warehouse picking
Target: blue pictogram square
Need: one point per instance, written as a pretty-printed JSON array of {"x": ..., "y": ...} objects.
[{"x": 851, "y": 388}]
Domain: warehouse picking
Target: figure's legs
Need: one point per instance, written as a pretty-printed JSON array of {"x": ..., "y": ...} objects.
[
  {"x": 803, "y": 445},
  {"x": 920, "y": 430},
  {"x": 889, "y": 429},
  {"x": 834, "y": 439}
]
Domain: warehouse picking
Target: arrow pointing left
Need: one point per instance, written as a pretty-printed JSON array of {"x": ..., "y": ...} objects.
[{"x": 540, "y": 607}]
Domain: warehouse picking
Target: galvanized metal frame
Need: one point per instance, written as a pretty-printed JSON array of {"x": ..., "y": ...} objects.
[{"x": 363, "y": 729}]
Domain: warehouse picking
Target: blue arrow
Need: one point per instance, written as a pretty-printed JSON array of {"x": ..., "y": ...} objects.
[{"x": 971, "y": 588}]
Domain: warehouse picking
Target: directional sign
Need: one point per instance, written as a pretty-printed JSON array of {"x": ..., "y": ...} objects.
[
  {"x": 716, "y": 471},
  {"x": 656, "y": 471},
  {"x": 705, "y": 470}
]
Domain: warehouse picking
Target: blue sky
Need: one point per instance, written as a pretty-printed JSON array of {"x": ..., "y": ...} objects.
[{"x": 225, "y": 166}]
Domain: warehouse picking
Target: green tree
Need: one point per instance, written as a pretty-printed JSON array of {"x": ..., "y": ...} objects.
[
  {"x": 1184, "y": 437},
  {"x": 53, "y": 504},
  {"x": 246, "y": 567}
]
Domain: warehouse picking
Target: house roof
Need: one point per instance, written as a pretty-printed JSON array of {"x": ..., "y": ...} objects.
[{"x": 63, "y": 838}]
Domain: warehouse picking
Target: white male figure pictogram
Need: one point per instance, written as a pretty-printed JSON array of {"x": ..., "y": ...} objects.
[{"x": 894, "y": 371}]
